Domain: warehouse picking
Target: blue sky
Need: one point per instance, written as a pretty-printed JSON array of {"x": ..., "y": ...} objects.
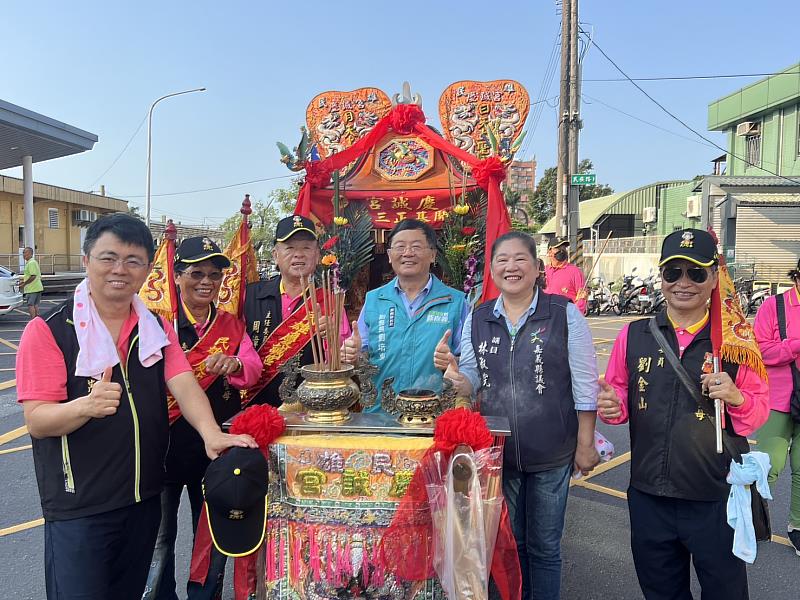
[{"x": 98, "y": 66}]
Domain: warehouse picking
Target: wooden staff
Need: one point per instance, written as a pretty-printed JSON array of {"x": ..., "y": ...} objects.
[{"x": 597, "y": 260}]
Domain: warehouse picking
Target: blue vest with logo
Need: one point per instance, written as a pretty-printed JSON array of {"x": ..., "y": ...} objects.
[{"x": 401, "y": 346}]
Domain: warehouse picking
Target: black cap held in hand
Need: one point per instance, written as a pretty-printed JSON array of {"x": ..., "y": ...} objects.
[{"x": 235, "y": 492}]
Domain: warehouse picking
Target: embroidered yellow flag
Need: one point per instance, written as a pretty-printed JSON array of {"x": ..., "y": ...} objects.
[
  {"x": 243, "y": 266},
  {"x": 158, "y": 291},
  {"x": 737, "y": 343}
]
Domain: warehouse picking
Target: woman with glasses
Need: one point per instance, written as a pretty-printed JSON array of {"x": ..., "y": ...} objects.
[
  {"x": 224, "y": 361},
  {"x": 678, "y": 494},
  {"x": 777, "y": 328}
]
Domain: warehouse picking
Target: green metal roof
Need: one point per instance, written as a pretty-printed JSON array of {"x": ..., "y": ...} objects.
[
  {"x": 590, "y": 211},
  {"x": 768, "y": 199},
  {"x": 754, "y": 99}
]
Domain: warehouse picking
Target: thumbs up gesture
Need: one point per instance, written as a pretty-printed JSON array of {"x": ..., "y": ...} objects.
[
  {"x": 351, "y": 347},
  {"x": 608, "y": 402},
  {"x": 104, "y": 398},
  {"x": 443, "y": 358}
]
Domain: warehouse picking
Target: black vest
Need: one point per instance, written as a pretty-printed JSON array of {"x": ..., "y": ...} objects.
[
  {"x": 673, "y": 453},
  {"x": 529, "y": 381},
  {"x": 262, "y": 314},
  {"x": 187, "y": 459},
  {"x": 107, "y": 463}
]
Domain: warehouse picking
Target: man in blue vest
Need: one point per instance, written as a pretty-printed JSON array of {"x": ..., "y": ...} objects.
[{"x": 402, "y": 321}]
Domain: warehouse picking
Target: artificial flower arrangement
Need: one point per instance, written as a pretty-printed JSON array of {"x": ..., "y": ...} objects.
[
  {"x": 348, "y": 244},
  {"x": 461, "y": 243}
]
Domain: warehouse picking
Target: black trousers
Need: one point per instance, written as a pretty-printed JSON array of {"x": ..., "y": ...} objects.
[
  {"x": 103, "y": 556},
  {"x": 666, "y": 533}
]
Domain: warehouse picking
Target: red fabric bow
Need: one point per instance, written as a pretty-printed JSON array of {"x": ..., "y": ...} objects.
[
  {"x": 488, "y": 169},
  {"x": 317, "y": 175},
  {"x": 405, "y": 117}
]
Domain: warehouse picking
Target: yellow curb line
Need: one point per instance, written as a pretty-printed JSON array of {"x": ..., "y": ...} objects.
[
  {"x": 21, "y": 527},
  {"x": 9, "y": 344},
  {"x": 13, "y": 434},
  {"x": 10, "y": 450}
]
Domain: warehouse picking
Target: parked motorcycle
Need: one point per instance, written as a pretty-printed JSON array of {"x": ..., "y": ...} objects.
[
  {"x": 633, "y": 296},
  {"x": 599, "y": 298}
]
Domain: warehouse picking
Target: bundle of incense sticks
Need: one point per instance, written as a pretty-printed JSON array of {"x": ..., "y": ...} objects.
[{"x": 324, "y": 345}]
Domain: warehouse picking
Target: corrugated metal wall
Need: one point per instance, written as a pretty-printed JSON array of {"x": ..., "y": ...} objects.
[{"x": 770, "y": 237}]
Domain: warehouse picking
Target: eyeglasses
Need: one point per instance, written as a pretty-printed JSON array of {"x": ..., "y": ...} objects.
[
  {"x": 673, "y": 274},
  {"x": 110, "y": 262},
  {"x": 413, "y": 249},
  {"x": 200, "y": 275}
]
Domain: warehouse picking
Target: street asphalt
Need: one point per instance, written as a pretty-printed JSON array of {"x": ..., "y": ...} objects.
[{"x": 596, "y": 552}]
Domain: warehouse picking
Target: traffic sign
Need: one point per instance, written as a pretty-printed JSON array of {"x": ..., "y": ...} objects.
[{"x": 584, "y": 179}]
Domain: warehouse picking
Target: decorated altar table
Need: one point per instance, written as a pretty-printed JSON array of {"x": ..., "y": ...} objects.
[{"x": 333, "y": 491}]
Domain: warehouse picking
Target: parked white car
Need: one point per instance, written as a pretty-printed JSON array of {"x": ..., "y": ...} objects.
[{"x": 10, "y": 296}]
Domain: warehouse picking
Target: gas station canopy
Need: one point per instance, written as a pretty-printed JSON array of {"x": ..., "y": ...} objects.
[{"x": 26, "y": 133}]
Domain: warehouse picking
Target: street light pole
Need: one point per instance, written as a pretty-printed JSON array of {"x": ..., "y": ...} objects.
[{"x": 150, "y": 145}]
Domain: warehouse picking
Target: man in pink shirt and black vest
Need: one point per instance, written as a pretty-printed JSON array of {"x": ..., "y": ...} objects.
[
  {"x": 678, "y": 494},
  {"x": 564, "y": 278}
]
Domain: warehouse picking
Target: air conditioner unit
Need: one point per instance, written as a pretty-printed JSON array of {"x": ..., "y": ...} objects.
[
  {"x": 649, "y": 214},
  {"x": 92, "y": 216},
  {"x": 80, "y": 216},
  {"x": 693, "y": 206},
  {"x": 748, "y": 128}
]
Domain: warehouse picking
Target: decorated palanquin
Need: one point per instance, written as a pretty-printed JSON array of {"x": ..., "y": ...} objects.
[
  {"x": 360, "y": 148},
  {"x": 331, "y": 498}
]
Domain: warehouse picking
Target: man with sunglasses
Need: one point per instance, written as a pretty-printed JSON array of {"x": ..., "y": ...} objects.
[
  {"x": 678, "y": 494},
  {"x": 223, "y": 360}
]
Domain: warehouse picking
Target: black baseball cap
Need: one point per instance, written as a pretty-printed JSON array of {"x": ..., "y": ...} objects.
[
  {"x": 695, "y": 245},
  {"x": 235, "y": 492},
  {"x": 288, "y": 226},
  {"x": 555, "y": 242},
  {"x": 197, "y": 249}
]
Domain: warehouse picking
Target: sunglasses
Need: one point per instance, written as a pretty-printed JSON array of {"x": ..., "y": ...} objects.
[
  {"x": 673, "y": 274},
  {"x": 199, "y": 275}
]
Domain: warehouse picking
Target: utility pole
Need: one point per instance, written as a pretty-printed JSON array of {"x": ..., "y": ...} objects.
[
  {"x": 574, "y": 125},
  {"x": 563, "y": 120}
]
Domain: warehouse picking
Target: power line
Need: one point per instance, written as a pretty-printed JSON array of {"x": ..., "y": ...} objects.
[
  {"x": 91, "y": 187},
  {"x": 544, "y": 89},
  {"x": 211, "y": 189},
  {"x": 679, "y": 120},
  {"x": 692, "y": 77},
  {"x": 627, "y": 114}
]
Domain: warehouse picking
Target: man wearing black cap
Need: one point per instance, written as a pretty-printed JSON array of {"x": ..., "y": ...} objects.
[
  {"x": 222, "y": 358},
  {"x": 678, "y": 494},
  {"x": 563, "y": 278},
  {"x": 272, "y": 307}
]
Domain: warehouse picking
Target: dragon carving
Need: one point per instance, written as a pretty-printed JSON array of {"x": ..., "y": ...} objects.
[
  {"x": 463, "y": 122},
  {"x": 330, "y": 132},
  {"x": 507, "y": 119}
]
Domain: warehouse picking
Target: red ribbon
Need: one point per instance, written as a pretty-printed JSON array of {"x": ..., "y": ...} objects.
[{"x": 491, "y": 168}]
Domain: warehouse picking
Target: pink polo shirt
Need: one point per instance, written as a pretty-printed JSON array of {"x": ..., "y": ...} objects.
[
  {"x": 778, "y": 353},
  {"x": 566, "y": 280},
  {"x": 42, "y": 373},
  {"x": 745, "y": 418}
]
